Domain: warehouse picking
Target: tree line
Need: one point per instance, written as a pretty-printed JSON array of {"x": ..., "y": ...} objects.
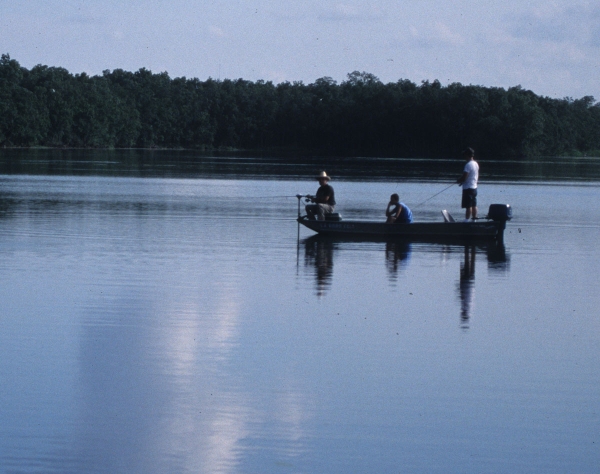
[{"x": 48, "y": 106}]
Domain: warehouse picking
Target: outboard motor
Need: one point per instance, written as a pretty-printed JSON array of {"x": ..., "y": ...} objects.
[{"x": 500, "y": 212}]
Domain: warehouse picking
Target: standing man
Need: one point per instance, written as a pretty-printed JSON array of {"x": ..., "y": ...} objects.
[
  {"x": 468, "y": 181},
  {"x": 324, "y": 201}
]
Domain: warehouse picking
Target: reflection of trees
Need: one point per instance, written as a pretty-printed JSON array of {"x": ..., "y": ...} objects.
[
  {"x": 397, "y": 255},
  {"x": 319, "y": 254},
  {"x": 6, "y": 205}
]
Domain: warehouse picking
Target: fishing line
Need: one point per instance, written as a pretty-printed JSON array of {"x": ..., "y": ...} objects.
[{"x": 433, "y": 196}]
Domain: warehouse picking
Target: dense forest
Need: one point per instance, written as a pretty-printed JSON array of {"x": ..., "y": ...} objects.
[{"x": 48, "y": 106}]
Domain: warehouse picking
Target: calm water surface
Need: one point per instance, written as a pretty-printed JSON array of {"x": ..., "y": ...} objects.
[{"x": 170, "y": 324}]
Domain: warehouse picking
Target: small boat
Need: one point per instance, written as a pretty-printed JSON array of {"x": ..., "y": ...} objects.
[{"x": 490, "y": 227}]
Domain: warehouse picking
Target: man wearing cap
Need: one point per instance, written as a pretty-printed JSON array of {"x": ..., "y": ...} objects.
[
  {"x": 324, "y": 200},
  {"x": 468, "y": 181}
]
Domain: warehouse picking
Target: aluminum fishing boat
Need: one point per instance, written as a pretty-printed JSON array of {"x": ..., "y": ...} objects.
[{"x": 490, "y": 227}]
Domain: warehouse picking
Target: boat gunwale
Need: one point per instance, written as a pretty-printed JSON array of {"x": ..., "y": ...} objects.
[{"x": 488, "y": 229}]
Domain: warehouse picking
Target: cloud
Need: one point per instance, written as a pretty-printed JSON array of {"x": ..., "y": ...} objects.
[
  {"x": 216, "y": 31},
  {"x": 555, "y": 23},
  {"x": 446, "y": 35},
  {"x": 595, "y": 37},
  {"x": 435, "y": 35},
  {"x": 536, "y": 44},
  {"x": 346, "y": 12},
  {"x": 82, "y": 19},
  {"x": 117, "y": 35},
  {"x": 275, "y": 76}
]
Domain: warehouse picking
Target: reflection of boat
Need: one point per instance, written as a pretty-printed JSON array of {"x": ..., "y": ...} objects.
[
  {"x": 491, "y": 228},
  {"x": 320, "y": 249},
  {"x": 319, "y": 254},
  {"x": 397, "y": 255}
]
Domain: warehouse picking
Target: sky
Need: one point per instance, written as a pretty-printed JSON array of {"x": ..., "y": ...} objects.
[{"x": 549, "y": 47}]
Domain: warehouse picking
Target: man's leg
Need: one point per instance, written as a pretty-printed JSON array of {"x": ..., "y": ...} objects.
[
  {"x": 323, "y": 209},
  {"x": 470, "y": 203},
  {"x": 321, "y": 212},
  {"x": 465, "y": 204},
  {"x": 474, "y": 204},
  {"x": 311, "y": 209}
]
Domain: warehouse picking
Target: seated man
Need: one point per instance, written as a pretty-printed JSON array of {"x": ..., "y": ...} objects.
[
  {"x": 324, "y": 199},
  {"x": 397, "y": 212}
]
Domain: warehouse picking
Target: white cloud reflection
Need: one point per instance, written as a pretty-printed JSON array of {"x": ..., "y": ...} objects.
[
  {"x": 210, "y": 418},
  {"x": 207, "y": 420}
]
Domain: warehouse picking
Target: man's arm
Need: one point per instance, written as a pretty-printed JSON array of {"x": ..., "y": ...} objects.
[
  {"x": 316, "y": 199},
  {"x": 462, "y": 179},
  {"x": 388, "y": 211}
]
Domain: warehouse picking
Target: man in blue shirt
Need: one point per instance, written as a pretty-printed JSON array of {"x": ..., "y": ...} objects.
[{"x": 397, "y": 212}]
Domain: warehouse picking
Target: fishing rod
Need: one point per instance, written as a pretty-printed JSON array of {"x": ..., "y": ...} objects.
[
  {"x": 274, "y": 197},
  {"x": 428, "y": 199}
]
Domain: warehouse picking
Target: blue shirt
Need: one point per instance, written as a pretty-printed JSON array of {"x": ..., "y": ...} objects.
[{"x": 405, "y": 216}]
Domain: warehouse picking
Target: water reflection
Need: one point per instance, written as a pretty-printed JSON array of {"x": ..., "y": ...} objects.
[
  {"x": 319, "y": 256},
  {"x": 498, "y": 259},
  {"x": 186, "y": 163},
  {"x": 466, "y": 286},
  {"x": 397, "y": 256},
  {"x": 153, "y": 382},
  {"x": 497, "y": 262},
  {"x": 6, "y": 205},
  {"x": 318, "y": 253},
  {"x": 144, "y": 332}
]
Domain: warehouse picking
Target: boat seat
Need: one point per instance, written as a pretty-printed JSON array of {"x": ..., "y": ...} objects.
[
  {"x": 447, "y": 216},
  {"x": 333, "y": 216}
]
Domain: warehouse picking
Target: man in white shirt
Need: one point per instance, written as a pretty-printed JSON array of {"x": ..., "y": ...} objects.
[{"x": 468, "y": 181}]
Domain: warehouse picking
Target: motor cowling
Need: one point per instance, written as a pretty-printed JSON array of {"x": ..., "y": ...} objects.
[{"x": 500, "y": 212}]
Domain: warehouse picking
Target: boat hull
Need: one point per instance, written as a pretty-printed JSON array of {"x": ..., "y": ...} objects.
[{"x": 420, "y": 230}]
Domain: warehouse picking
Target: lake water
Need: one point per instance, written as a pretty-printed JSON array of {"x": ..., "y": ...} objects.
[{"x": 161, "y": 315}]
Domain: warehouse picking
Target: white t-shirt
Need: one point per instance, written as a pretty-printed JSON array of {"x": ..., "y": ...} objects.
[{"x": 472, "y": 170}]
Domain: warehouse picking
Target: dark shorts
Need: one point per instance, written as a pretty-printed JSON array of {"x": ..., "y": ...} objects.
[{"x": 469, "y": 198}]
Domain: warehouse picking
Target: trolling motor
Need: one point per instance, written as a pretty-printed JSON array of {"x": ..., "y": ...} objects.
[
  {"x": 307, "y": 198},
  {"x": 299, "y": 197}
]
